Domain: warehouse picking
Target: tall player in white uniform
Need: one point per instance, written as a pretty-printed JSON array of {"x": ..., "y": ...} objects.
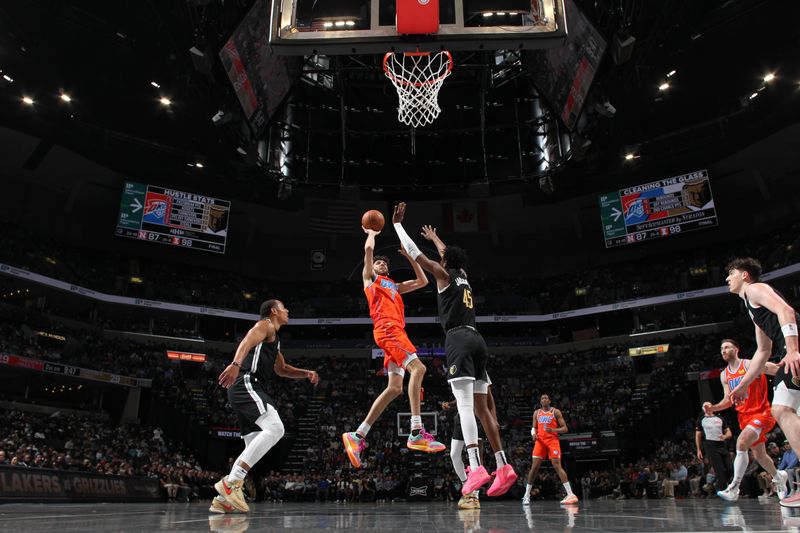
[
  {"x": 259, "y": 359},
  {"x": 775, "y": 324}
]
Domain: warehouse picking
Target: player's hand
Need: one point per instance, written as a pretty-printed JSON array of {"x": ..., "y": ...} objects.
[
  {"x": 791, "y": 362},
  {"x": 737, "y": 395},
  {"x": 228, "y": 376},
  {"x": 429, "y": 232},
  {"x": 700, "y": 455},
  {"x": 313, "y": 377},
  {"x": 402, "y": 252},
  {"x": 446, "y": 406},
  {"x": 707, "y": 408},
  {"x": 370, "y": 231},
  {"x": 399, "y": 213}
]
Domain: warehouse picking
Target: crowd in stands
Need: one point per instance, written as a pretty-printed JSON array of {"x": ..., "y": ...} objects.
[
  {"x": 499, "y": 294},
  {"x": 85, "y": 443}
]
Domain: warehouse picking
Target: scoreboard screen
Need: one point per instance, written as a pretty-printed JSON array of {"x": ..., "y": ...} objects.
[
  {"x": 657, "y": 209},
  {"x": 177, "y": 218}
]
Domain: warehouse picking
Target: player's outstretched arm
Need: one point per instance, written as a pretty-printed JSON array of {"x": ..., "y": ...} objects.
[
  {"x": 263, "y": 329},
  {"x": 429, "y": 233},
  {"x": 413, "y": 284},
  {"x": 725, "y": 402},
  {"x": 288, "y": 371},
  {"x": 369, "y": 250},
  {"x": 440, "y": 274}
]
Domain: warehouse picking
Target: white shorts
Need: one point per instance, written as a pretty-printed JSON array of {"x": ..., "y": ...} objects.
[
  {"x": 786, "y": 396},
  {"x": 393, "y": 368}
]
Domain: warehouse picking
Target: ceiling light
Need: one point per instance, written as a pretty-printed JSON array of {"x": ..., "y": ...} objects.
[
  {"x": 769, "y": 77},
  {"x": 198, "y": 164},
  {"x": 671, "y": 73},
  {"x": 350, "y": 23},
  {"x": 501, "y": 13},
  {"x": 327, "y": 24},
  {"x": 339, "y": 23},
  {"x": 165, "y": 101},
  {"x": 753, "y": 95},
  {"x": 154, "y": 84},
  {"x": 65, "y": 97},
  {"x": 8, "y": 78},
  {"x": 663, "y": 87},
  {"x": 487, "y": 14},
  {"x": 628, "y": 157},
  {"x": 28, "y": 100}
]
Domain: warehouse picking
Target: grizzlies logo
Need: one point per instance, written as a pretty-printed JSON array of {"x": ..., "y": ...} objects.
[{"x": 453, "y": 370}]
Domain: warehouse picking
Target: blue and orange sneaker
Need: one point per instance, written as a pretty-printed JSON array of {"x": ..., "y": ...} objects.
[
  {"x": 354, "y": 445},
  {"x": 424, "y": 442}
]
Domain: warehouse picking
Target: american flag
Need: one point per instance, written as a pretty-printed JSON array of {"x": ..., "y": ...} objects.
[{"x": 333, "y": 216}]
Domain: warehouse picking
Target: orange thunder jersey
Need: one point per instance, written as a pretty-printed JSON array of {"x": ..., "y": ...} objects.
[
  {"x": 756, "y": 402},
  {"x": 546, "y": 419},
  {"x": 385, "y": 302}
]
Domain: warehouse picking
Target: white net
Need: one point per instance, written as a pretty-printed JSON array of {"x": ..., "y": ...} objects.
[{"x": 417, "y": 77}]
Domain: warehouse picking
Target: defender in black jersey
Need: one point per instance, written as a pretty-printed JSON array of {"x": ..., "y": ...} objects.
[
  {"x": 257, "y": 361},
  {"x": 466, "y": 354},
  {"x": 775, "y": 324}
]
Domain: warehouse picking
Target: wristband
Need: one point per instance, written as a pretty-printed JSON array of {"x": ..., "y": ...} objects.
[
  {"x": 237, "y": 365},
  {"x": 408, "y": 245},
  {"x": 789, "y": 330}
]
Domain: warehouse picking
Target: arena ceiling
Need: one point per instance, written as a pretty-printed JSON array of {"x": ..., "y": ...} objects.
[{"x": 117, "y": 60}]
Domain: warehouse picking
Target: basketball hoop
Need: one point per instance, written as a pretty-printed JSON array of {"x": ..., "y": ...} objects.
[{"x": 417, "y": 77}]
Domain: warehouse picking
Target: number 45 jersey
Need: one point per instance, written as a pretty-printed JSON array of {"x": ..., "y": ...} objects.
[{"x": 456, "y": 307}]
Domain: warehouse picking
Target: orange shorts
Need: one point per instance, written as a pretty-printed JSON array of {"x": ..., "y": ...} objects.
[
  {"x": 397, "y": 349},
  {"x": 762, "y": 422},
  {"x": 547, "y": 449}
]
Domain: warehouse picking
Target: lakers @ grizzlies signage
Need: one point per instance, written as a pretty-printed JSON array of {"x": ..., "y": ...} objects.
[
  {"x": 40, "y": 485},
  {"x": 178, "y": 218},
  {"x": 657, "y": 209}
]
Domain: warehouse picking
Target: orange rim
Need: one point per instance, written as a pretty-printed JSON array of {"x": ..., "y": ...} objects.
[{"x": 401, "y": 81}]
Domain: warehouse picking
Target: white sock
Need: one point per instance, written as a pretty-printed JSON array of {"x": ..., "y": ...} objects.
[
  {"x": 568, "y": 488},
  {"x": 416, "y": 422},
  {"x": 474, "y": 458},
  {"x": 476, "y": 494},
  {"x": 528, "y": 488},
  {"x": 456, "y": 451},
  {"x": 739, "y": 466},
  {"x": 237, "y": 473},
  {"x": 363, "y": 429},
  {"x": 500, "y": 457}
]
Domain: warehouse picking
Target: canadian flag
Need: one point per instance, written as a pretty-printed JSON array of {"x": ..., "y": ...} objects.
[{"x": 465, "y": 216}]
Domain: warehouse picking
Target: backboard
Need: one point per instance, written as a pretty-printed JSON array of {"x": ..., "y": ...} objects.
[{"x": 350, "y": 27}]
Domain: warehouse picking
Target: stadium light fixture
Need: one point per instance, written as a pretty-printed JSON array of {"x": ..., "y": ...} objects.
[
  {"x": 663, "y": 87},
  {"x": 166, "y": 102},
  {"x": 671, "y": 73},
  {"x": 27, "y": 100},
  {"x": 769, "y": 77},
  {"x": 156, "y": 85},
  {"x": 8, "y": 78},
  {"x": 629, "y": 156},
  {"x": 753, "y": 96},
  {"x": 65, "y": 97}
]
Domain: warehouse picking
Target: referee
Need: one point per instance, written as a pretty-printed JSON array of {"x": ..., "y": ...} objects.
[{"x": 716, "y": 432}]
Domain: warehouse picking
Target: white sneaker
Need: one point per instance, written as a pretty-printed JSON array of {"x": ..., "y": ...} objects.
[
  {"x": 731, "y": 494},
  {"x": 780, "y": 482},
  {"x": 526, "y": 500}
]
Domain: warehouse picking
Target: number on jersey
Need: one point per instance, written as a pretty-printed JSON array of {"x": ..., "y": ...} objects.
[{"x": 468, "y": 299}]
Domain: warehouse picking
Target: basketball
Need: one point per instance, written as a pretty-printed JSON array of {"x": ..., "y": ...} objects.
[{"x": 373, "y": 219}]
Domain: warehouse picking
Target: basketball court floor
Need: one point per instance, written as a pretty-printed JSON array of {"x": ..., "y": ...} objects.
[{"x": 596, "y": 516}]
